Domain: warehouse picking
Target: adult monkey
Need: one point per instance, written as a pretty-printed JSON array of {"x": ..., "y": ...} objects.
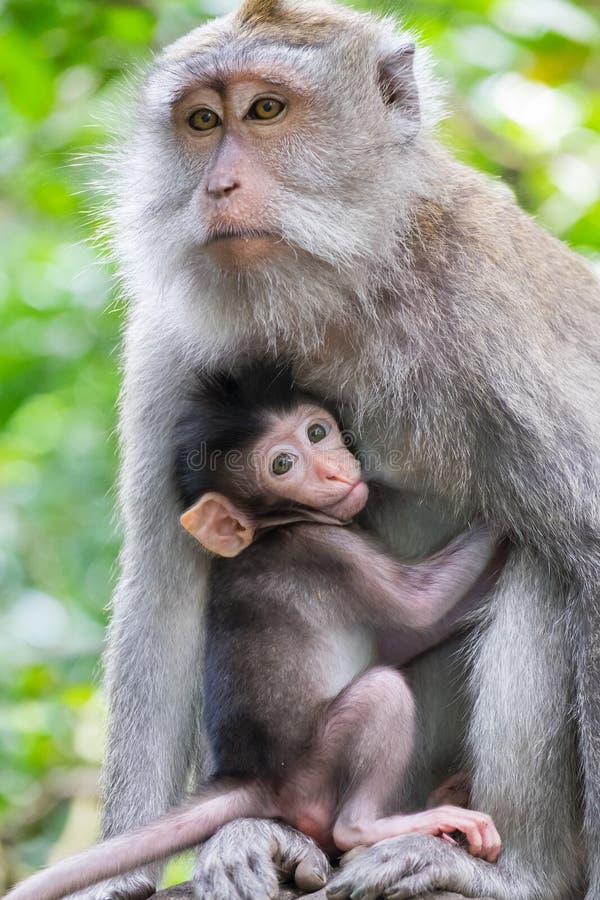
[{"x": 281, "y": 190}]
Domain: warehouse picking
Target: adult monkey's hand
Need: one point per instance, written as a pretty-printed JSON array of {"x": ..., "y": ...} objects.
[
  {"x": 247, "y": 860},
  {"x": 405, "y": 867}
]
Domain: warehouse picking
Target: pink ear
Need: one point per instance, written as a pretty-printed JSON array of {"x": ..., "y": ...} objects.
[{"x": 218, "y": 525}]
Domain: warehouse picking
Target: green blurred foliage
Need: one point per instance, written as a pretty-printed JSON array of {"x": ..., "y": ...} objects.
[{"x": 524, "y": 104}]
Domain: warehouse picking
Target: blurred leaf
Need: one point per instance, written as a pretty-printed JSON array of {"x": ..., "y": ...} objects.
[{"x": 26, "y": 76}]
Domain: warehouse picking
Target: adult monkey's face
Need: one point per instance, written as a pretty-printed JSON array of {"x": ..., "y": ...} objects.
[
  {"x": 237, "y": 127},
  {"x": 273, "y": 135}
]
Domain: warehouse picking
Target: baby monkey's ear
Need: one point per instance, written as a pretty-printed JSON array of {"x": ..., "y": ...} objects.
[{"x": 219, "y": 525}]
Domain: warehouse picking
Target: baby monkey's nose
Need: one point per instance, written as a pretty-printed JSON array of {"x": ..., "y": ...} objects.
[{"x": 335, "y": 467}]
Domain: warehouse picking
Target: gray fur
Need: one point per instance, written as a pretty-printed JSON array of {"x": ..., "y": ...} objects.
[
  {"x": 464, "y": 339},
  {"x": 243, "y": 860}
]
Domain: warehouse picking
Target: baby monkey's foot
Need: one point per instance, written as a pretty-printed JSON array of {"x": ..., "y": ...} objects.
[{"x": 482, "y": 838}]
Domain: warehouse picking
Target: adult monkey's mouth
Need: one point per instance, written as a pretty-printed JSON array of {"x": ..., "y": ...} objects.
[
  {"x": 224, "y": 233},
  {"x": 238, "y": 250}
]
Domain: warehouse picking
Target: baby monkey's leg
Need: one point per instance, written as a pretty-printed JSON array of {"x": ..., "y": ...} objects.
[
  {"x": 369, "y": 731},
  {"x": 362, "y": 741}
]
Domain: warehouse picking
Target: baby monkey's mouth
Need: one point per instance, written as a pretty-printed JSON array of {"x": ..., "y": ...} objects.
[{"x": 351, "y": 503}]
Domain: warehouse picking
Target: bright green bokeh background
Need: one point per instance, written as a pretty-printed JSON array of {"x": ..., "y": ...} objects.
[{"x": 524, "y": 104}]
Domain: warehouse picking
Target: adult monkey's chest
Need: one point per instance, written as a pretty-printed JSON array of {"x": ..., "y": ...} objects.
[{"x": 408, "y": 514}]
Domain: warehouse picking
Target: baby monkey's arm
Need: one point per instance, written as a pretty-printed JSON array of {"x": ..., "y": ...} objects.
[{"x": 424, "y": 596}]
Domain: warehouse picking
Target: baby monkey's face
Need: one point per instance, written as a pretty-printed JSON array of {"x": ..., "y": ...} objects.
[{"x": 303, "y": 458}]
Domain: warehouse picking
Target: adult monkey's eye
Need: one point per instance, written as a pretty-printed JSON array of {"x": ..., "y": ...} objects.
[
  {"x": 203, "y": 119},
  {"x": 265, "y": 108},
  {"x": 282, "y": 463},
  {"x": 316, "y": 432}
]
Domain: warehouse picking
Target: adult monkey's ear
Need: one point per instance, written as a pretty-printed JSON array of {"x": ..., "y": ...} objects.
[
  {"x": 257, "y": 11},
  {"x": 219, "y": 525},
  {"x": 398, "y": 84}
]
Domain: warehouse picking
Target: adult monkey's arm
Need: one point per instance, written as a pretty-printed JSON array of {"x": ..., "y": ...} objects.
[{"x": 154, "y": 652}]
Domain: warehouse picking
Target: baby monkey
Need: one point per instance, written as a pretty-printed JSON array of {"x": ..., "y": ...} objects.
[{"x": 303, "y": 725}]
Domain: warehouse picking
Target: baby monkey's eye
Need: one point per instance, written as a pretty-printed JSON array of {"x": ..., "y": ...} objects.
[
  {"x": 316, "y": 432},
  {"x": 282, "y": 463},
  {"x": 265, "y": 108},
  {"x": 203, "y": 119}
]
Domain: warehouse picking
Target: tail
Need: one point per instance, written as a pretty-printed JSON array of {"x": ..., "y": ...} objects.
[{"x": 178, "y": 830}]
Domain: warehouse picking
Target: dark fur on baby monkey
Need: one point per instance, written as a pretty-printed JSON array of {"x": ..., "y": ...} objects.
[{"x": 303, "y": 725}]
